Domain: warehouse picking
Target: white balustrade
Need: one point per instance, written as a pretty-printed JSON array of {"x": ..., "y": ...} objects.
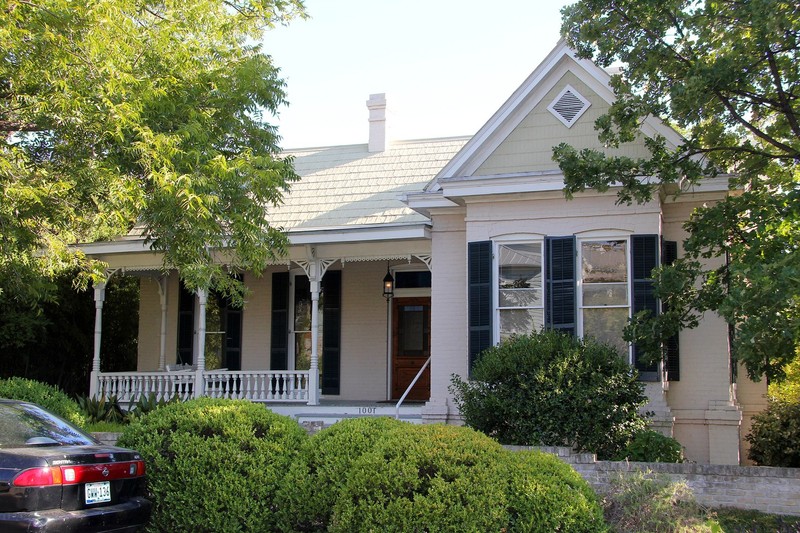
[{"x": 255, "y": 385}]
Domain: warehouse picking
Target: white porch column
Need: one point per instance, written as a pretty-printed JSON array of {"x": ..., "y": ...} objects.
[
  {"x": 313, "y": 371},
  {"x": 200, "y": 358},
  {"x": 99, "y": 298},
  {"x": 162, "y": 293}
]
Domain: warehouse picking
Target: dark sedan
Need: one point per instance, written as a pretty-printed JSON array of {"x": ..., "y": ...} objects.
[{"x": 53, "y": 477}]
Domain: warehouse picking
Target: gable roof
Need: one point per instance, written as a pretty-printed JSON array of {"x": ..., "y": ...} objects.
[{"x": 541, "y": 81}]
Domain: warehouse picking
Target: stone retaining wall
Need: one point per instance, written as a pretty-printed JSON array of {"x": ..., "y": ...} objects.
[{"x": 760, "y": 488}]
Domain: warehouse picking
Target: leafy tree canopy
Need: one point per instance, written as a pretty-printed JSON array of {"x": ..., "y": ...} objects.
[
  {"x": 726, "y": 73},
  {"x": 122, "y": 114}
]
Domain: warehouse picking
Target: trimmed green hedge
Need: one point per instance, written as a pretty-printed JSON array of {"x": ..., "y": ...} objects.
[
  {"x": 553, "y": 389},
  {"x": 51, "y": 398},
  {"x": 377, "y": 474},
  {"x": 214, "y": 465}
]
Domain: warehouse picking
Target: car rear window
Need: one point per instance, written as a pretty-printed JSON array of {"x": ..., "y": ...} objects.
[{"x": 24, "y": 425}]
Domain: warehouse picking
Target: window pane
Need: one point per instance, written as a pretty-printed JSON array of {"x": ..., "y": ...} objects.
[
  {"x": 604, "y": 261},
  {"x": 520, "y": 322},
  {"x": 606, "y": 326},
  {"x": 520, "y": 297},
  {"x": 520, "y": 266},
  {"x": 605, "y": 294}
]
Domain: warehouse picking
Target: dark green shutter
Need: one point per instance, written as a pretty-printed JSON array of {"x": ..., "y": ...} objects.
[
  {"x": 479, "y": 281},
  {"x": 644, "y": 258},
  {"x": 233, "y": 338},
  {"x": 279, "y": 337},
  {"x": 331, "y": 331},
  {"x": 560, "y": 284},
  {"x": 185, "y": 325},
  {"x": 671, "y": 347}
]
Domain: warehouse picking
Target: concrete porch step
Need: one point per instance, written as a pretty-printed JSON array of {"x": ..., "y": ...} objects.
[{"x": 328, "y": 414}]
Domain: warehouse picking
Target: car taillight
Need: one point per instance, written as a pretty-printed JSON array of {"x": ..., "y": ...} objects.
[{"x": 70, "y": 475}]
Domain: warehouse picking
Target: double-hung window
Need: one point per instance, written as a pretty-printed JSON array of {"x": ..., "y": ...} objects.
[
  {"x": 520, "y": 289},
  {"x": 604, "y": 294}
]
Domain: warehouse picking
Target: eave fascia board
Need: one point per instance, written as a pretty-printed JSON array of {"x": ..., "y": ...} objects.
[
  {"x": 457, "y": 188},
  {"x": 126, "y": 246},
  {"x": 360, "y": 234}
]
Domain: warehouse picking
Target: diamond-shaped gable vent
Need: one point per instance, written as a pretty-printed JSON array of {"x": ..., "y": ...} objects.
[{"x": 568, "y": 106}]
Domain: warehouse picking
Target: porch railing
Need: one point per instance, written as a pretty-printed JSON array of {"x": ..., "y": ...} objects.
[{"x": 255, "y": 385}]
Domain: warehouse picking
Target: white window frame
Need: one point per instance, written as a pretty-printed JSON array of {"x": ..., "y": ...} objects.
[
  {"x": 496, "y": 309},
  {"x": 579, "y": 241}
]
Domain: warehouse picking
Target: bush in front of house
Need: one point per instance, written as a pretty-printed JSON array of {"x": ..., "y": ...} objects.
[
  {"x": 650, "y": 446},
  {"x": 377, "y": 474},
  {"x": 775, "y": 435},
  {"x": 48, "y": 396},
  {"x": 552, "y": 389},
  {"x": 545, "y": 494},
  {"x": 214, "y": 465}
]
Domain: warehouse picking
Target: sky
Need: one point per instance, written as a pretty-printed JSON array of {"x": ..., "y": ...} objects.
[{"x": 445, "y": 65}]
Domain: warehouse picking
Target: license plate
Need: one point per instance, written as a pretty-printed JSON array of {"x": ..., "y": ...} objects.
[{"x": 98, "y": 492}]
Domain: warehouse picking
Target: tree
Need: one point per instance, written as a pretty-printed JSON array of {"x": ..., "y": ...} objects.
[
  {"x": 116, "y": 115},
  {"x": 725, "y": 73}
]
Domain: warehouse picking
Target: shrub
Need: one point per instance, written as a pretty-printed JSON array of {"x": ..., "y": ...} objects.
[
  {"x": 545, "y": 494},
  {"x": 214, "y": 465},
  {"x": 47, "y": 396},
  {"x": 652, "y": 447},
  {"x": 377, "y": 474},
  {"x": 553, "y": 389},
  {"x": 775, "y": 435}
]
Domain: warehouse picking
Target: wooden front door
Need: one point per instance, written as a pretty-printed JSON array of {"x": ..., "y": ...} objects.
[{"x": 411, "y": 346}]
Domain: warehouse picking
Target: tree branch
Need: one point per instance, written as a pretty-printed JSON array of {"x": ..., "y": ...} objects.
[{"x": 785, "y": 106}]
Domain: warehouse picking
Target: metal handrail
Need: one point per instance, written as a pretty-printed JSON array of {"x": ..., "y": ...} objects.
[{"x": 413, "y": 382}]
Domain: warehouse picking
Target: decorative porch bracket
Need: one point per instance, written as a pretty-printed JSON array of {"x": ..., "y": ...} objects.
[{"x": 315, "y": 269}]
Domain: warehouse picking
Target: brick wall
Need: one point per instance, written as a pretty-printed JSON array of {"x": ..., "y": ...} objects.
[{"x": 760, "y": 488}]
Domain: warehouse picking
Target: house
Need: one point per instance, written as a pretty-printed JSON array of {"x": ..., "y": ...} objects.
[{"x": 409, "y": 258}]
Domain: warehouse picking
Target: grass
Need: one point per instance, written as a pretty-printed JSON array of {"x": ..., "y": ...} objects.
[{"x": 651, "y": 503}]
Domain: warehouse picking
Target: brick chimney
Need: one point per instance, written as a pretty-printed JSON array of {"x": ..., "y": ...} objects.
[{"x": 378, "y": 140}]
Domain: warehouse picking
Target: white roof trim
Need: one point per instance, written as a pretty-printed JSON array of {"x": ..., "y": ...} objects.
[
  {"x": 548, "y": 181},
  {"x": 334, "y": 235},
  {"x": 525, "y": 99},
  {"x": 360, "y": 234}
]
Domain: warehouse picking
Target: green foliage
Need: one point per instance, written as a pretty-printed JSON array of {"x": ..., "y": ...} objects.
[
  {"x": 545, "y": 494},
  {"x": 214, "y": 465},
  {"x": 741, "y": 521},
  {"x": 147, "y": 404},
  {"x": 378, "y": 474},
  {"x": 155, "y": 114},
  {"x": 553, "y": 389},
  {"x": 775, "y": 435},
  {"x": 724, "y": 73},
  {"x": 51, "y": 398},
  {"x": 650, "y": 446},
  {"x": 102, "y": 409},
  {"x": 639, "y": 501},
  {"x": 788, "y": 389}
]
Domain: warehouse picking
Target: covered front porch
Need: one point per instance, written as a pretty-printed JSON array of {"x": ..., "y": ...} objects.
[{"x": 299, "y": 340}]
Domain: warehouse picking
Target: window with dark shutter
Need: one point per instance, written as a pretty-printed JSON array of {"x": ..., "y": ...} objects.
[
  {"x": 331, "y": 331},
  {"x": 560, "y": 284},
  {"x": 644, "y": 258},
  {"x": 672, "y": 346},
  {"x": 279, "y": 343},
  {"x": 479, "y": 280}
]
